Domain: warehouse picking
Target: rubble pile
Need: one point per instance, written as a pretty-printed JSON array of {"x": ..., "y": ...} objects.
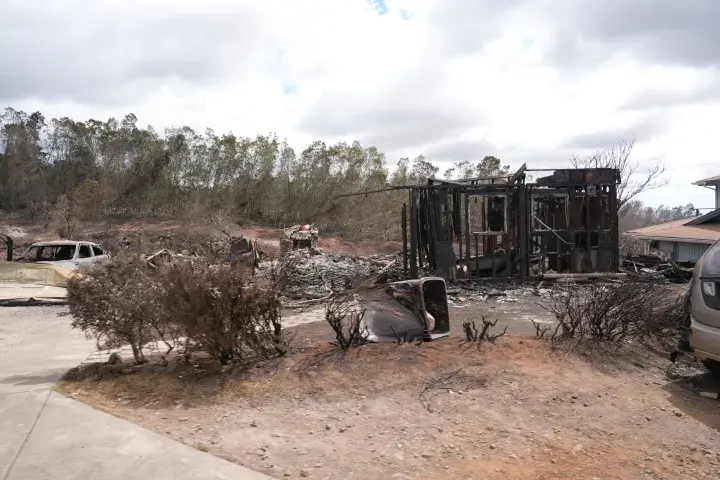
[
  {"x": 658, "y": 267},
  {"x": 210, "y": 244},
  {"x": 299, "y": 237},
  {"x": 500, "y": 292},
  {"x": 316, "y": 276}
]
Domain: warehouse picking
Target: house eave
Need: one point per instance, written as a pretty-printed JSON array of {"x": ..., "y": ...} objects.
[{"x": 703, "y": 241}]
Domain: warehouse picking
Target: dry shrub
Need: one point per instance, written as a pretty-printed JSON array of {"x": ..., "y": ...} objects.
[
  {"x": 344, "y": 316},
  {"x": 192, "y": 306},
  {"x": 116, "y": 303},
  {"x": 223, "y": 312},
  {"x": 611, "y": 314},
  {"x": 473, "y": 335}
]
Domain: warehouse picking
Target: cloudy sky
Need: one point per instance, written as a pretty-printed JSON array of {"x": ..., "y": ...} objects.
[{"x": 525, "y": 80}]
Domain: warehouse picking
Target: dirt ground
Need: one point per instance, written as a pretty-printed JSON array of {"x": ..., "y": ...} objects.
[
  {"x": 515, "y": 409},
  {"x": 150, "y": 236}
]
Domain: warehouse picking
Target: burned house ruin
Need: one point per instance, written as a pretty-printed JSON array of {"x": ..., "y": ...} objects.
[
  {"x": 510, "y": 227},
  {"x": 299, "y": 237}
]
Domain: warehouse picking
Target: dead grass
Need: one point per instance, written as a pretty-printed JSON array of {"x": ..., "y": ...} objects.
[{"x": 160, "y": 390}]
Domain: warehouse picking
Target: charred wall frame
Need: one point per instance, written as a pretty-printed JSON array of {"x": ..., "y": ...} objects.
[{"x": 505, "y": 227}]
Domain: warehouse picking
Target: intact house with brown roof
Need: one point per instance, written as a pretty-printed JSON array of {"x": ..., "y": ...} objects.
[{"x": 687, "y": 239}]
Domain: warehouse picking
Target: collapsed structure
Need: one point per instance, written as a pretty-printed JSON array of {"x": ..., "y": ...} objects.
[
  {"x": 299, "y": 237},
  {"x": 507, "y": 226}
]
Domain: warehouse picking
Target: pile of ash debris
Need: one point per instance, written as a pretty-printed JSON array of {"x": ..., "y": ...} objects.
[
  {"x": 210, "y": 244},
  {"x": 655, "y": 266},
  {"x": 500, "y": 292},
  {"x": 300, "y": 237},
  {"x": 316, "y": 276}
]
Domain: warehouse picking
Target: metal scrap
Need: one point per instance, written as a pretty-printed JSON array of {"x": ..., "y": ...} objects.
[
  {"x": 316, "y": 276},
  {"x": 406, "y": 311},
  {"x": 653, "y": 265}
]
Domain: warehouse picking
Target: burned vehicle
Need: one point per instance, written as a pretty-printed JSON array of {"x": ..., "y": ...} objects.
[
  {"x": 67, "y": 254},
  {"x": 43, "y": 272},
  {"x": 701, "y": 323}
]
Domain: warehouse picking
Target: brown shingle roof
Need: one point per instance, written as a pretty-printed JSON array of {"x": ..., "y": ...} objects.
[{"x": 679, "y": 231}]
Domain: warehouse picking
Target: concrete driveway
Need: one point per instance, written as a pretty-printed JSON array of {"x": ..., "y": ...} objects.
[{"x": 44, "y": 435}]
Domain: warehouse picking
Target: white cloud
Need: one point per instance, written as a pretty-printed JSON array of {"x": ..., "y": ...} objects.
[{"x": 448, "y": 78}]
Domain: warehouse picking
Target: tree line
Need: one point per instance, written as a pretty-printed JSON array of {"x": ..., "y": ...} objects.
[{"x": 117, "y": 167}]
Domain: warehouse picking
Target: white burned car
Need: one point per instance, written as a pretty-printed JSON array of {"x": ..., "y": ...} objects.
[{"x": 66, "y": 253}]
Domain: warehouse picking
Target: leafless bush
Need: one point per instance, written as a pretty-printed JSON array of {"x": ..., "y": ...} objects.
[
  {"x": 472, "y": 334},
  {"x": 631, "y": 182},
  {"x": 541, "y": 329},
  {"x": 345, "y": 318},
  {"x": 115, "y": 304},
  {"x": 84, "y": 202},
  {"x": 613, "y": 313},
  {"x": 65, "y": 216}
]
